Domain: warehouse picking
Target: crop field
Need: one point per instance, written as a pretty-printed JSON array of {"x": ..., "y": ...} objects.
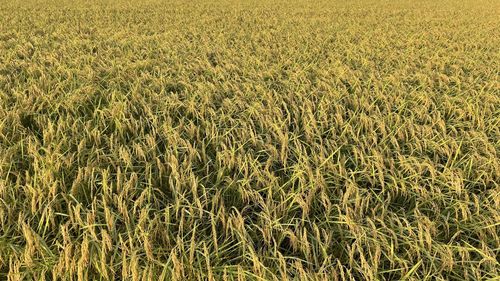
[{"x": 249, "y": 140}]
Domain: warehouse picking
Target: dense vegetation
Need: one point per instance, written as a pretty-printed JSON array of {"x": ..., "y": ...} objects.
[{"x": 260, "y": 140}]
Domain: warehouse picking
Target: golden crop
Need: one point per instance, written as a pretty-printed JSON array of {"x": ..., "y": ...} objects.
[{"x": 249, "y": 140}]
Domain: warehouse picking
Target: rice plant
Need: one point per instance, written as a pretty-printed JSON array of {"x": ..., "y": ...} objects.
[{"x": 249, "y": 140}]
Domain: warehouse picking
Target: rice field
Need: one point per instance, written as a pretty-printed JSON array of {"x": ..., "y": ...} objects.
[{"x": 249, "y": 140}]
